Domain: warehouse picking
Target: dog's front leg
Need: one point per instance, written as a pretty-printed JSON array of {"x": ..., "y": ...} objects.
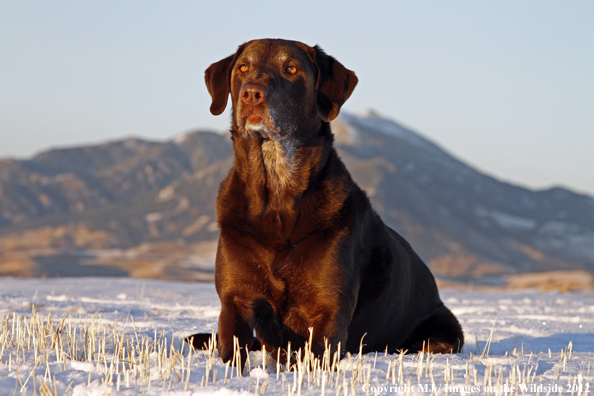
[
  {"x": 325, "y": 325},
  {"x": 235, "y": 321},
  {"x": 334, "y": 332},
  {"x": 267, "y": 324}
]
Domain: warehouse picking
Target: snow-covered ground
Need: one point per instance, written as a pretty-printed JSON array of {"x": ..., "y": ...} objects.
[{"x": 66, "y": 331}]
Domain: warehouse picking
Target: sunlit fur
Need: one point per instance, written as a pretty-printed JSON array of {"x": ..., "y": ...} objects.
[{"x": 300, "y": 247}]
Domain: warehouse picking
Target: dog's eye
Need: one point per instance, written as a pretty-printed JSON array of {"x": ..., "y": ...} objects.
[
  {"x": 291, "y": 70},
  {"x": 243, "y": 68}
]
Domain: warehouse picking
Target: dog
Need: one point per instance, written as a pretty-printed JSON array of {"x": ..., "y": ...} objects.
[{"x": 300, "y": 246}]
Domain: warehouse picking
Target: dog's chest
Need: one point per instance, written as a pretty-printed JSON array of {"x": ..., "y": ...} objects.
[
  {"x": 291, "y": 290},
  {"x": 280, "y": 170},
  {"x": 300, "y": 271}
]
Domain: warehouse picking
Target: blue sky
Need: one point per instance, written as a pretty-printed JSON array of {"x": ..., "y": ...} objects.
[{"x": 506, "y": 86}]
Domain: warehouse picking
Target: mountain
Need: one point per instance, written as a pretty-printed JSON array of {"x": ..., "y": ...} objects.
[
  {"x": 462, "y": 222},
  {"x": 148, "y": 207},
  {"x": 119, "y": 187}
]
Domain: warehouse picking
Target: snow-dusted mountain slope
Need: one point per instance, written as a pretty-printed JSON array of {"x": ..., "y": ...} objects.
[{"x": 464, "y": 222}]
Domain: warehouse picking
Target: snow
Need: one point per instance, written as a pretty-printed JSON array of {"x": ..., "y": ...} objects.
[
  {"x": 181, "y": 139},
  {"x": 387, "y": 127},
  {"x": 351, "y": 127},
  {"x": 541, "y": 342},
  {"x": 507, "y": 220},
  {"x": 572, "y": 237}
]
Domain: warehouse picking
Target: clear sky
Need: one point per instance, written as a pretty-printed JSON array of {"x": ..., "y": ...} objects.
[{"x": 506, "y": 86}]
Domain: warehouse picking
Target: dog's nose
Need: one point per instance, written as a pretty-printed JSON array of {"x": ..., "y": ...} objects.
[{"x": 253, "y": 94}]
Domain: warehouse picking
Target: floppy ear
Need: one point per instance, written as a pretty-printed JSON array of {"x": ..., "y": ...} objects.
[
  {"x": 218, "y": 80},
  {"x": 334, "y": 86}
]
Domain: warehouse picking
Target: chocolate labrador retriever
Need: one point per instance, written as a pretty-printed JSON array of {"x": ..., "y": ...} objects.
[{"x": 300, "y": 246}]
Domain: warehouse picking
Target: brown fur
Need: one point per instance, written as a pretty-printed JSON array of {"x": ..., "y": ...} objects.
[{"x": 300, "y": 246}]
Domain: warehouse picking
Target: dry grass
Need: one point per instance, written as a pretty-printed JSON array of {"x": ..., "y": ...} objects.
[{"x": 34, "y": 349}]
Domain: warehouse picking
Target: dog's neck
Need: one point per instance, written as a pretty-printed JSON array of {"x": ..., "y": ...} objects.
[
  {"x": 276, "y": 174},
  {"x": 280, "y": 165}
]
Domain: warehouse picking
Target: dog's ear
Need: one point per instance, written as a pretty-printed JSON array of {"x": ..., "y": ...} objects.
[
  {"x": 218, "y": 82},
  {"x": 334, "y": 86}
]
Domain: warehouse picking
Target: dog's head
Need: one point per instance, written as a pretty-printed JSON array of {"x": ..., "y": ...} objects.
[{"x": 279, "y": 88}]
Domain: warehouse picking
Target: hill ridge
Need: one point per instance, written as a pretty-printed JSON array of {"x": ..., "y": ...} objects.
[{"x": 127, "y": 193}]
